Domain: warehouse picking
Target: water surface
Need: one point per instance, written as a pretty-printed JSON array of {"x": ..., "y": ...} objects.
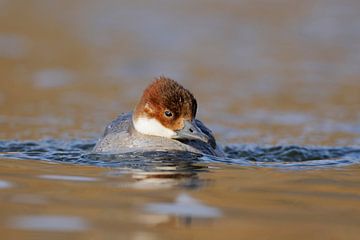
[{"x": 276, "y": 81}]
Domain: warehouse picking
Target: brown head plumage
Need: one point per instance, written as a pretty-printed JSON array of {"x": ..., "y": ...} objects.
[{"x": 168, "y": 102}]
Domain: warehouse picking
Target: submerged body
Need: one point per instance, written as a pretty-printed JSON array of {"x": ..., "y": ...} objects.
[{"x": 164, "y": 120}]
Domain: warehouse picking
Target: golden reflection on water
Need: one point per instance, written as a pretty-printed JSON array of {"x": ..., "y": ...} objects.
[{"x": 264, "y": 72}]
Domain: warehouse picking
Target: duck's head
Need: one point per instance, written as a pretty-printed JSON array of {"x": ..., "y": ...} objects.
[{"x": 167, "y": 109}]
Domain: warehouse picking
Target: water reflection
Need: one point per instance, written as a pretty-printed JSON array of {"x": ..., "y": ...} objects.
[
  {"x": 5, "y": 184},
  {"x": 143, "y": 236},
  {"x": 13, "y": 46},
  {"x": 29, "y": 199},
  {"x": 49, "y": 223},
  {"x": 68, "y": 178},
  {"x": 154, "y": 170},
  {"x": 185, "y": 207},
  {"x": 166, "y": 179},
  {"x": 53, "y": 78}
]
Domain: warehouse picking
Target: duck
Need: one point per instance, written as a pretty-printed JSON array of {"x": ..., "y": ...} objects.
[{"x": 164, "y": 119}]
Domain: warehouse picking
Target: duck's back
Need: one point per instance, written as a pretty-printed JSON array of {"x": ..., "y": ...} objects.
[{"x": 120, "y": 136}]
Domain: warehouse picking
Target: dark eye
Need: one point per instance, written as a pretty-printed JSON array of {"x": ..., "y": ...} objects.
[{"x": 168, "y": 113}]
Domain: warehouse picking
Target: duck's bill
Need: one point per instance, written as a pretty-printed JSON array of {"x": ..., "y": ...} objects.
[{"x": 191, "y": 132}]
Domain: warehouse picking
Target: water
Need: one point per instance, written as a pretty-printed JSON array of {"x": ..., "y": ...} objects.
[
  {"x": 276, "y": 81},
  {"x": 80, "y": 152}
]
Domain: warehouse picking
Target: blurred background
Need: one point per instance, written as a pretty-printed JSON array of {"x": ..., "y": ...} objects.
[{"x": 267, "y": 72}]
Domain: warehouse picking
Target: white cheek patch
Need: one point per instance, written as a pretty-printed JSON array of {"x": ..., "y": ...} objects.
[{"x": 151, "y": 126}]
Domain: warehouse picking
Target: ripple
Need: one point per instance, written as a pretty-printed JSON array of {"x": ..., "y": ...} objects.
[
  {"x": 178, "y": 162},
  {"x": 69, "y": 178},
  {"x": 293, "y": 156},
  {"x": 29, "y": 199},
  {"x": 49, "y": 223}
]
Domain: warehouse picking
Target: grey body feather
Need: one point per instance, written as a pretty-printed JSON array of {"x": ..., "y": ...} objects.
[{"x": 120, "y": 136}]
